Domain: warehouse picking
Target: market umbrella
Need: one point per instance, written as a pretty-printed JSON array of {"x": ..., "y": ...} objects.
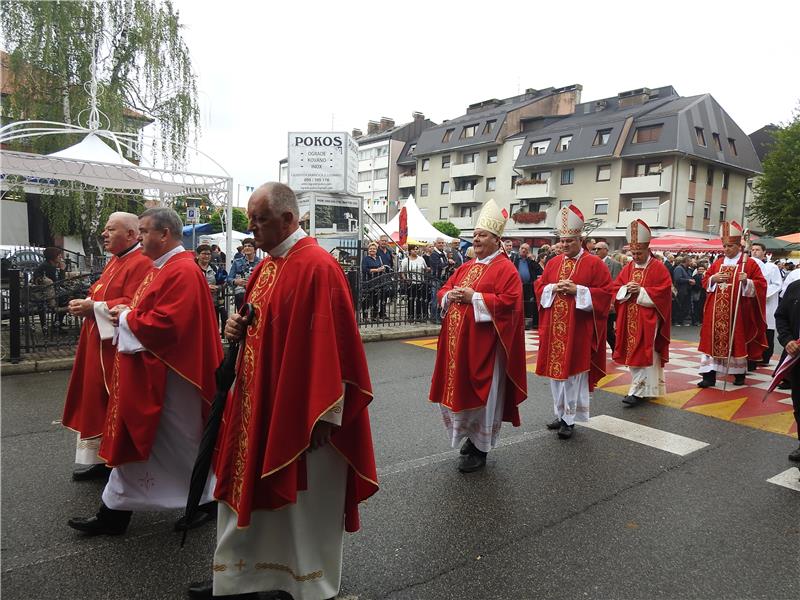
[
  {"x": 792, "y": 237},
  {"x": 773, "y": 244},
  {"x": 225, "y": 375}
]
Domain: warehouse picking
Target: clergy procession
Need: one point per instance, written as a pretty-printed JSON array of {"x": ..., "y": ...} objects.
[{"x": 289, "y": 449}]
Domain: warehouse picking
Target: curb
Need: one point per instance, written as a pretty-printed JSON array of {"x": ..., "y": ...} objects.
[{"x": 65, "y": 364}]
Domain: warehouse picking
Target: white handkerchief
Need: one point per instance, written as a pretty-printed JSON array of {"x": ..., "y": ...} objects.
[{"x": 103, "y": 318}]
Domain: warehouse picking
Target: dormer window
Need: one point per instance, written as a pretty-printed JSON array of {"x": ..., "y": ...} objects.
[
  {"x": 538, "y": 148},
  {"x": 648, "y": 133},
  {"x": 469, "y": 131},
  {"x": 601, "y": 137},
  {"x": 447, "y": 135},
  {"x": 490, "y": 125},
  {"x": 563, "y": 143}
]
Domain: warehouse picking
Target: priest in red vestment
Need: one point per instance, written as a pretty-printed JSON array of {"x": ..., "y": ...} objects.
[
  {"x": 294, "y": 456},
  {"x": 87, "y": 393},
  {"x": 574, "y": 293},
  {"x": 479, "y": 378},
  {"x": 643, "y": 292},
  {"x": 162, "y": 385},
  {"x": 734, "y": 315}
]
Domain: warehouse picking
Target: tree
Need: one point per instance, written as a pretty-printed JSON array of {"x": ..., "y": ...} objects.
[
  {"x": 141, "y": 63},
  {"x": 239, "y": 220},
  {"x": 447, "y": 228},
  {"x": 777, "y": 191}
]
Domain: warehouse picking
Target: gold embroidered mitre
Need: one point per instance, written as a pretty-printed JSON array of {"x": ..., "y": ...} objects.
[
  {"x": 638, "y": 235},
  {"x": 491, "y": 218}
]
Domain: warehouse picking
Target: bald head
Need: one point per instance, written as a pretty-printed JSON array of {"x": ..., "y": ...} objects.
[
  {"x": 272, "y": 214},
  {"x": 121, "y": 232}
]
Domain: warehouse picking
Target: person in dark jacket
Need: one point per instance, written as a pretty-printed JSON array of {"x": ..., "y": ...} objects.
[
  {"x": 683, "y": 282},
  {"x": 529, "y": 271},
  {"x": 787, "y": 326}
]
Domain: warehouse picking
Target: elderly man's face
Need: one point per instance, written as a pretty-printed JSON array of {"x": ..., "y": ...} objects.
[
  {"x": 524, "y": 250},
  {"x": 731, "y": 249},
  {"x": 269, "y": 227},
  {"x": 601, "y": 249},
  {"x": 485, "y": 243},
  {"x": 571, "y": 246},
  {"x": 640, "y": 255},
  {"x": 384, "y": 241},
  {"x": 116, "y": 237},
  {"x": 439, "y": 244}
]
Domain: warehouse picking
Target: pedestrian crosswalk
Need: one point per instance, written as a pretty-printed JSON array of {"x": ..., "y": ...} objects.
[
  {"x": 790, "y": 478},
  {"x": 649, "y": 436}
]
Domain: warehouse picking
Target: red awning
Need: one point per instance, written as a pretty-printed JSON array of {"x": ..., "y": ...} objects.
[{"x": 680, "y": 243}]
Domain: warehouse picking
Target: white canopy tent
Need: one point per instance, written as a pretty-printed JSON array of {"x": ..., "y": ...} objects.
[{"x": 419, "y": 229}]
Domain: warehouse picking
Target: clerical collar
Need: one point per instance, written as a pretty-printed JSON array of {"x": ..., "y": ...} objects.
[
  {"x": 283, "y": 248},
  {"x": 577, "y": 256},
  {"x": 638, "y": 266},
  {"x": 488, "y": 259},
  {"x": 162, "y": 260},
  {"x": 732, "y": 261},
  {"x": 129, "y": 250}
]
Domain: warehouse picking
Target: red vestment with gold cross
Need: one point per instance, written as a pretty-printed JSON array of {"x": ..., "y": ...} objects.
[
  {"x": 87, "y": 394},
  {"x": 302, "y": 354},
  {"x": 466, "y": 351},
  {"x": 573, "y": 341},
  {"x": 749, "y": 338},
  {"x": 641, "y": 329},
  {"x": 173, "y": 317}
]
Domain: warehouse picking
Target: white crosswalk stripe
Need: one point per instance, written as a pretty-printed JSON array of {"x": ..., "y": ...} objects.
[
  {"x": 649, "y": 436},
  {"x": 790, "y": 478}
]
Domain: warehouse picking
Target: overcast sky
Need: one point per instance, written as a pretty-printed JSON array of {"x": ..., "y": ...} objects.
[{"x": 265, "y": 69}]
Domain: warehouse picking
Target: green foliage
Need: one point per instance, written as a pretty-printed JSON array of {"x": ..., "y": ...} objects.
[
  {"x": 447, "y": 228},
  {"x": 777, "y": 192},
  {"x": 239, "y": 220}
]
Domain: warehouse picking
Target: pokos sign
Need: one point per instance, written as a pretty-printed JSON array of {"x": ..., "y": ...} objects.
[{"x": 323, "y": 162}]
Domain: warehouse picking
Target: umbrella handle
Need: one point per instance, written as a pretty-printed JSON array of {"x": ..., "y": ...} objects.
[{"x": 248, "y": 312}]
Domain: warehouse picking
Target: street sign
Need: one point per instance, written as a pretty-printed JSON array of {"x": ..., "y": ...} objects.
[{"x": 192, "y": 215}]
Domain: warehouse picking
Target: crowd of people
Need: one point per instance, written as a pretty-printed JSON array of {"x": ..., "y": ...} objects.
[{"x": 293, "y": 456}]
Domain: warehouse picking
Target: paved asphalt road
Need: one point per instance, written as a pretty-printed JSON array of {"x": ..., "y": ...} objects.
[{"x": 597, "y": 516}]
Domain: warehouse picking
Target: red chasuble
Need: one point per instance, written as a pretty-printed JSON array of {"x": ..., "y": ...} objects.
[
  {"x": 87, "y": 394},
  {"x": 572, "y": 341},
  {"x": 173, "y": 317},
  {"x": 466, "y": 351},
  {"x": 641, "y": 328},
  {"x": 750, "y": 338},
  {"x": 302, "y": 354}
]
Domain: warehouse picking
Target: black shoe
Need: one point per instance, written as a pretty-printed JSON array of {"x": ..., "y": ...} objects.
[
  {"x": 752, "y": 365},
  {"x": 632, "y": 400},
  {"x": 470, "y": 463},
  {"x": 795, "y": 456},
  {"x": 205, "y": 591},
  {"x": 556, "y": 424},
  {"x": 785, "y": 385},
  {"x": 709, "y": 380},
  {"x": 565, "y": 432},
  {"x": 99, "y": 471},
  {"x": 738, "y": 379},
  {"x": 205, "y": 513},
  {"x": 467, "y": 447},
  {"x": 106, "y": 522}
]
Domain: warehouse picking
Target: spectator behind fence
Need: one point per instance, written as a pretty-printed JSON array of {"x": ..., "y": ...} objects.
[
  {"x": 49, "y": 276},
  {"x": 413, "y": 271},
  {"x": 215, "y": 277},
  {"x": 529, "y": 271},
  {"x": 241, "y": 269},
  {"x": 683, "y": 282},
  {"x": 371, "y": 268}
]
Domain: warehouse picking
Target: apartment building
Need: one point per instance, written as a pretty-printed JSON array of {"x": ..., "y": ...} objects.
[
  {"x": 378, "y": 153},
  {"x": 454, "y": 167}
]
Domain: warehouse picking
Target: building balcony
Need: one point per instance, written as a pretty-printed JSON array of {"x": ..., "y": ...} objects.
[
  {"x": 470, "y": 169},
  {"x": 364, "y": 187},
  {"x": 654, "y": 217},
  {"x": 407, "y": 181},
  {"x": 463, "y": 197},
  {"x": 661, "y": 182},
  {"x": 533, "y": 220},
  {"x": 533, "y": 191}
]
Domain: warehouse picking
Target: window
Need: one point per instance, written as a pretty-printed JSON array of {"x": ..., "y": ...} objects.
[
  {"x": 446, "y": 161},
  {"x": 722, "y": 213},
  {"x": 732, "y": 146},
  {"x": 411, "y": 149},
  {"x": 489, "y": 126},
  {"x": 563, "y": 143},
  {"x": 603, "y": 172},
  {"x": 466, "y": 211},
  {"x": 648, "y": 133},
  {"x": 444, "y": 212},
  {"x": 381, "y": 173},
  {"x": 690, "y": 208},
  {"x": 513, "y": 208},
  {"x": 710, "y": 176},
  {"x": 368, "y": 153},
  {"x": 707, "y": 211},
  {"x": 567, "y": 176},
  {"x": 423, "y": 189},
  {"x": 601, "y": 137},
  {"x": 717, "y": 142},
  {"x": 644, "y": 203},
  {"x": 469, "y": 131},
  {"x": 564, "y": 203},
  {"x": 540, "y": 176},
  {"x": 491, "y": 184},
  {"x": 517, "y": 148},
  {"x": 601, "y": 207},
  {"x": 469, "y": 157},
  {"x": 643, "y": 169},
  {"x": 725, "y": 178},
  {"x": 445, "y": 189},
  {"x": 514, "y": 181},
  {"x": 491, "y": 156},
  {"x": 365, "y": 176},
  {"x": 382, "y": 151},
  {"x": 692, "y": 171},
  {"x": 539, "y": 147},
  {"x": 701, "y": 137},
  {"x": 426, "y": 164},
  {"x": 447, "y": 135},
  {"x": 538, "y": 206}
]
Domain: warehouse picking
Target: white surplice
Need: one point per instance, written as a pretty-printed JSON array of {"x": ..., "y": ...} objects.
[
  {"x": 481, "y": 425},
  {"x": 646, "y": 382},
  {"x": 772, "y": 274},
  {"x": 571, "y": 396},
  {"x": 298, "y": 548},
  {"x": 721, "y": 366},
  {"x": 162, "y": 481}
]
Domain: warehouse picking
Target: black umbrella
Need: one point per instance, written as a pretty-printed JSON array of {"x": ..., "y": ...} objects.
[{"x": 225, "y": 375}]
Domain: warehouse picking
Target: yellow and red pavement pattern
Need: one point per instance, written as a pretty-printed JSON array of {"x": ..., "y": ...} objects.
[{"x": 744, "y": 405}]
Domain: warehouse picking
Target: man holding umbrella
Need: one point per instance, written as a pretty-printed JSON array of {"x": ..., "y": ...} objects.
[{"x": 295, "y": 450}]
